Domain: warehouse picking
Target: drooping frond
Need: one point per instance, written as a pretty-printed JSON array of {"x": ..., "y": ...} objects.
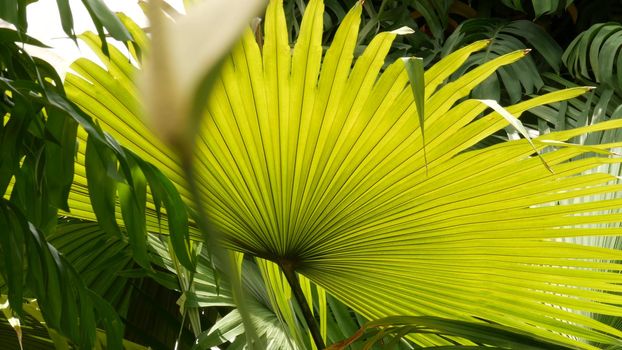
[{"x": 316, "y": 161}]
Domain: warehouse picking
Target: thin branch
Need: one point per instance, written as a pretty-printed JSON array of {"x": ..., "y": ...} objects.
[{"x": 220, "y": 254}]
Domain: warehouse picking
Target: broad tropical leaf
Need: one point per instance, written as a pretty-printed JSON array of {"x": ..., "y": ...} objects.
[{"x": 316, "y": 163}]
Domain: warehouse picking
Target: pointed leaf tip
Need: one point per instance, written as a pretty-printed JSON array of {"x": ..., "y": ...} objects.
[
  {"x": 415, "y": 70},
  {"x": 516, "y": 123},
  {"x": 526, "y": 51},
  {"x": 403, "y": 31}
]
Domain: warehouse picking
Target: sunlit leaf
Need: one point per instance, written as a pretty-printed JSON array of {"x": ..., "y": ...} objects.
[
  {"x": 313, "y": 162},
  {"x": 172, "y": 79}
]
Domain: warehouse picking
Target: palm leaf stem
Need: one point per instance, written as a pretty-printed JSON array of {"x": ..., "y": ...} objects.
[{"x": 290, "y": 275}]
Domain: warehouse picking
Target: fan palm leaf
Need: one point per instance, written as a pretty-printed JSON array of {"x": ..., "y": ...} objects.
[
  {"x": 316, "y": 163},
  {"x": 598, "y": 105}
]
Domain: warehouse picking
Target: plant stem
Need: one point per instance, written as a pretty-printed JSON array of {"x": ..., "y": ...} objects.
[
  {"x": 219, "y": 255},
  {"x": 290, "y": 275}
]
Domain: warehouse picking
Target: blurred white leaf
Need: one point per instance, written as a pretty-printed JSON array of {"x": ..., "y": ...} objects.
[{"x": 184, "y": 52}]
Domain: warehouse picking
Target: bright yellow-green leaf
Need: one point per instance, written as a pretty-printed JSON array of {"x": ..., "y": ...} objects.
[
  {"x": 177, "y": 67},
  {"x": 316, "y": 161}
]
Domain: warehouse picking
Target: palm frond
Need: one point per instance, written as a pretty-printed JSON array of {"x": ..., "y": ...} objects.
[
  {"x": 276, "y": 331},
  {"x": 35, "y": 334},
  {"x": 517, "y": 79},
  {"x": 316, "y": 163},
  {"x": 99, "y": 259},
  {"x": 600, "y": 104},
  {"x": 595, "y": 54},
  {"x": 544, "y": 7}
]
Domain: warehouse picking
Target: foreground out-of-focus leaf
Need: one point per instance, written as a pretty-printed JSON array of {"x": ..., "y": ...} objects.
[
  {"x": 100, "y": 171},
  {"x": 172, "y": 80}
]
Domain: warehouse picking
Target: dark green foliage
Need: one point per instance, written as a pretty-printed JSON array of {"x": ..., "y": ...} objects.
[
  {"x": 66, "y": 304},
  {"x": 596, "y": 55},
  {"x": 38, "y": 139},
  {"x": 111, "y": 168},
  {"x": 14, "y": 12},
  {"x": 37, "y": 170},
  {"x": 101, "y": 170},
  {"x": 164, "y": 193},
  {"x": 539, "y": 7},
  {"x": 515, "y": 80}
]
